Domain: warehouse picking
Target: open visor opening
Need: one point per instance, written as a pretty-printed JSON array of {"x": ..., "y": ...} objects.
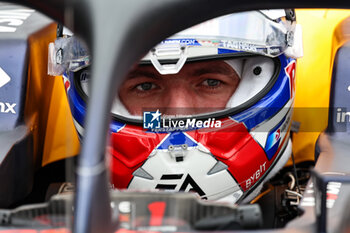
[
  {"x": 215, "y": 68},
  {"x": 201, "y": 88}
]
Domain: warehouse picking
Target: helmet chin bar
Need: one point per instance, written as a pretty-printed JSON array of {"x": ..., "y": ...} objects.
[
  {"x": 176, "y": 50},
  {"x": 172, "y": 169}
]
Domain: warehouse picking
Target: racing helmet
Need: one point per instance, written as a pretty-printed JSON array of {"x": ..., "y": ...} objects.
[{"x": 218, "y": 152}]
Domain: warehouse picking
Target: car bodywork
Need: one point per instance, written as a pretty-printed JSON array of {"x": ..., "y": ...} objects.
[{"x": 27, "y": 93}]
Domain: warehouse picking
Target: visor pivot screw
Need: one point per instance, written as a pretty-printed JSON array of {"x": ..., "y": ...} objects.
[
  {"x": 257, "y": 70},
  {"x": 290, "y": 14},
  {"x": 171, "y": 147}
]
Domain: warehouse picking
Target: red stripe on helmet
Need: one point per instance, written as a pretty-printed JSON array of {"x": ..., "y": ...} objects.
[
  {"x": 233, "y": 145},
  {"x": 130, "y": 147}
]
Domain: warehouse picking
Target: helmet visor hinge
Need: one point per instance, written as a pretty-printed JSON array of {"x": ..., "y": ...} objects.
[{"x": 173, "y": 51}]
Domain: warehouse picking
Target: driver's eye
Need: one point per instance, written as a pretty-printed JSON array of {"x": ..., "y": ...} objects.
[
  {"x": 145, "y": 86},
  {"x": 212, "y": 82}
]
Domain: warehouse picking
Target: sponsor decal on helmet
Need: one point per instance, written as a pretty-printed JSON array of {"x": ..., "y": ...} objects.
[
  {"x": 272, "y": 143},
  {"x": 175, "y": 180},
  {"x": 181, "y": 41},
  {"x": 238, "y": 45},
  {"x": 66, "y": 82},
  {"x": 274, "y": 138},
  {"x": 155, "y": 123},
  {"x": 256, "y": 175},
  {"x": 290, "y": 71}
]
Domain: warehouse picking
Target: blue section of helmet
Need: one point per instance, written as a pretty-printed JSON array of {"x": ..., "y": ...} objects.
[
  {"x": 177, "y": 138},
  {"x": 273, "y": 140},
  {"x": 116, "y": 126},
  {"x": 271, "y": 103},
  {"x": 76, "y": 103},
  {"x": 185, "y": 41},
  {"x": 77, "y": 106},
  {"x": 223, "y": 51}
]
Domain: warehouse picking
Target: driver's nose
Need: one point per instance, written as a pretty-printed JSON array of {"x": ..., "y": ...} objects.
[{"x": 179, "y": 100}]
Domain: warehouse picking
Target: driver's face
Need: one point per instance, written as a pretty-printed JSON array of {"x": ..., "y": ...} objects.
[{"x": 197, "y": 88}]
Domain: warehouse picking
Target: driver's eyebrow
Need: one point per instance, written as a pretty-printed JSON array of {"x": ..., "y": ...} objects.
[
  {"x": 213, "y": 70},
  {"x": 141, "y": 73}
]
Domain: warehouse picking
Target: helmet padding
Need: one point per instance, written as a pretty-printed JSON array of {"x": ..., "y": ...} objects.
[{"x": 256, "y": 73}]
